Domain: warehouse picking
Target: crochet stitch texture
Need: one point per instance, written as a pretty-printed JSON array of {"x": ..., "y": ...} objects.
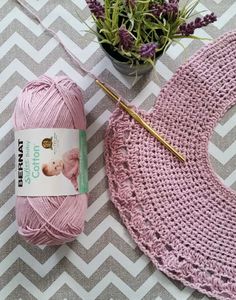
[{"x": 180, "y": 214}]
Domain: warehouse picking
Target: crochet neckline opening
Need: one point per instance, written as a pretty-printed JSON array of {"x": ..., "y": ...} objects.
[{"x": 209, "y": 168}]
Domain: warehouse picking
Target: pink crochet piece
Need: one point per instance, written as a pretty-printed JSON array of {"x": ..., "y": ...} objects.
[
  {"x": 180, "y": 214},
  {"x": 71, "y": 166}
]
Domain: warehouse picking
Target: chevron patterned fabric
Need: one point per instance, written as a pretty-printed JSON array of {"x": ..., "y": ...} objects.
[{"x": 104, "y": 262}]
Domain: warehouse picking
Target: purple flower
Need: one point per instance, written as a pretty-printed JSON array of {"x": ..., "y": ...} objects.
[
  {"x": 171, "y": 8},
  {"x": 126, "y": 39},
  {"x": 188, "y": 29},
  {"x": 166, "y": 9},
  {"x": 131, "y": 3},
  {"x": 156, "y": 9},
  {"x": 209, "y": 19},
  {"x": 96, "y": 9},
  {"x": 148, "y": 50}
]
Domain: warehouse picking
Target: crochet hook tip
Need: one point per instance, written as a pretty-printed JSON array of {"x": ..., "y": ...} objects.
[
  {"x": 107, "y": 90},
  {"x": 182, "y": 158}
]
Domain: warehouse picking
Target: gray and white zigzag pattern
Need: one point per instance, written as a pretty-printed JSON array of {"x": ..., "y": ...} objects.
[{"x": 103, "y": 263}]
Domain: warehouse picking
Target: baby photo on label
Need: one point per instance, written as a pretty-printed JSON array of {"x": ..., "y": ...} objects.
[{"x": 68, "y": 166}]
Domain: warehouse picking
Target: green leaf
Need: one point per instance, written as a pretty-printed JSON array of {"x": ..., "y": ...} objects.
[
  {"x": 105, "y": 41},
  {"x": 191, "y": 37},
  {"x": 104, "y": 30}
]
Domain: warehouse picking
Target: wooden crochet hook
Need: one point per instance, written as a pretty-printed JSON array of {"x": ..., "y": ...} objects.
[{"x": 140, "y": 120}]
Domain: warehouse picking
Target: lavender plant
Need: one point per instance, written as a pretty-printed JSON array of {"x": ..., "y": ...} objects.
[{"x": 141, "y": 30}]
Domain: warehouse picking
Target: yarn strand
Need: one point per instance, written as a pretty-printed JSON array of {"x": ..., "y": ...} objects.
[{"x": 71, "y": 55}]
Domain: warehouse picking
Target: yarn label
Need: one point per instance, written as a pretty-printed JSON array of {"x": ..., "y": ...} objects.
[{"x": 51, "y": 162}]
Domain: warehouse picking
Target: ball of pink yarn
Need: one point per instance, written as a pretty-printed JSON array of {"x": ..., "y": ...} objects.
[{"x": 46, "y": 103}]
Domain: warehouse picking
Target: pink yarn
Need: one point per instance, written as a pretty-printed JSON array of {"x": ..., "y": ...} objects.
[{"x": 50, "y": 103}]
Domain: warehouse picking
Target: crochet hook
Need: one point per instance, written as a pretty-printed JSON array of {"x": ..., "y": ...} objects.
[{"x": 140, "y": 120}]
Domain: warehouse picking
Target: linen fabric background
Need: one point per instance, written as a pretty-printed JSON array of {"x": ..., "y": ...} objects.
[{"x": 103, "y": 263}]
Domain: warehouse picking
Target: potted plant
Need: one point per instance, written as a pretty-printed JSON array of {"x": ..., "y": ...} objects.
[{"x": 134, "y": 33}]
